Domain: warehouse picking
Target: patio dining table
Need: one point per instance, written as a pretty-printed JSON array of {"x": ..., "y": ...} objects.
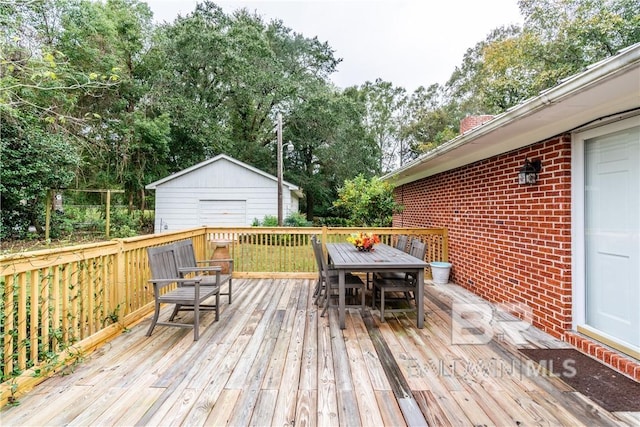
[{"x": 345, "y": 258}]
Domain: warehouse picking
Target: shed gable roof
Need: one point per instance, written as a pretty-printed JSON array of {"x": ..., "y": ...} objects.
[{"x": 154, "y": 185}]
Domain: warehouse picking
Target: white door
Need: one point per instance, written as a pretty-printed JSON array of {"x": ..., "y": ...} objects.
[
  {"x": 612, "y": 235},
  {"x": 222, "y": 212}
]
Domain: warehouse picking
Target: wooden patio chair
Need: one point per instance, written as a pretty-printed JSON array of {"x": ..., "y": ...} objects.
[
  {"x": 401, "y": 244},
  {"x": 187, "y": 264},
  {"x": 328, "y": 285},
  {"x": 320, "y": 288},
  {"x": 188, "y": 295},
  {"x": 405, "y": 284}
]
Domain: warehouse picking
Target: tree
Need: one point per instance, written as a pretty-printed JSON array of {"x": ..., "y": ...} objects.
[
  {"x": 224, "y": 78},
  {"x": 464, "y": 89},
  {"x": 130, "y": 139},
  {"x": 331, "y": 145},
  {"x": 384, "y": 103},
  {"x": 428, "y": 121},
  {"x": 558, "y": 39},
  {"x": 512, "y": 64},
  {"x": 33, "y": 161},
  {"x": 369, "y": 203},
  {"x": 39, "y": 89}
]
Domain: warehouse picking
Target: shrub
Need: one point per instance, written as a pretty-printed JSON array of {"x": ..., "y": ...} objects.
[
  {"x": 369, "y": 203},
  {"x": 330, "y": 221},
  {"x": 270, "y": 221},
  {"x": 296, "y": 219}
]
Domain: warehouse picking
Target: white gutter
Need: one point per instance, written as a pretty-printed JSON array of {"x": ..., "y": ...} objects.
[{"x": 595, "y": 74}]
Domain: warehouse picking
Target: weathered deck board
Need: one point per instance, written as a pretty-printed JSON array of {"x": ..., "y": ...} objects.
[
  {"x": 362, "y": 385},
  {"x": 285, "y": 408},
  {"x": 327, "y": 405},
  {"x": 272, "y": 360}
]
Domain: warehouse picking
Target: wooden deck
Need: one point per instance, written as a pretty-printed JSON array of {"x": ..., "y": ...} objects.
[{"x": 271, "y": 360}]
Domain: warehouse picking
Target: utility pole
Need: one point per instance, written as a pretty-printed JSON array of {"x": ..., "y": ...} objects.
[{"x": 279, "y": 170}]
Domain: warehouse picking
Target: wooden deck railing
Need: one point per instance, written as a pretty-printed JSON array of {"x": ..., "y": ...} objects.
[{"x": 60, "y": 304}]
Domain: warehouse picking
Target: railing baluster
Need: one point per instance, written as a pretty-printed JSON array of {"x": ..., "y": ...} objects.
[
  {"x": 22, "y": 321},
  {"x": 91, "y": 291},
  {"x": 74, "y": 302},
  {"x": 54, "y": 298},
  {"x": 65, "y": 284},
  {"x": 55, "y": 312},
  {"x": 9, "y": 324},
  {"x": 34, "y": 296},
  {"x": 45, "y": 283}
]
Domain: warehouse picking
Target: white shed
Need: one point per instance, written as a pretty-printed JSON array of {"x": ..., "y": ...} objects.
[{"x": 221, "y": 191}]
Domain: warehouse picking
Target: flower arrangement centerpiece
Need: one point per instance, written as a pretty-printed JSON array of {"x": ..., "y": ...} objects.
[{"x": 364, "y": 241}]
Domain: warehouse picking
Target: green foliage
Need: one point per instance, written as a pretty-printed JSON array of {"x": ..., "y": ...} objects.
[
  {"x": 269, "y": 221},
  {"x": 369, "y": 203},
  {"x": 428, "y": 122},
  {"x": 331, "y": 144},
  {"x": 124, "y": 223},
  {"x": 93, "y": 95},
  {"x": 384, "y": 119},
  {"x": 330, "y": 221},
  {"x": 558, "y": 39},
  {"x": 61, "y": 226},
  {"x": 33, "y": 161},
  {"x": 296, "y": 219},
  {"x": 226, "y": 100}
]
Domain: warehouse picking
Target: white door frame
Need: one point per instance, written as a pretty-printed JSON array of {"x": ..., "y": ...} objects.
[{"x": 577, "y": 225}]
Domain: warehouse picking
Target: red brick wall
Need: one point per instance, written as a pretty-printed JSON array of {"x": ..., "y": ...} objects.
[{"x": 507, "y": 242}]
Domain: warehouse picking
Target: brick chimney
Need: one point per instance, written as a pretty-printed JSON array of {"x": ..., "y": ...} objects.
[{"x": 471, "y": 122}]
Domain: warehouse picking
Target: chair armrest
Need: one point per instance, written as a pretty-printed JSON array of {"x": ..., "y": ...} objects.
[
  {"x": 216, "y": 260},
  {"x": 196, "y": 269},
  {"x": 196, "y": 279}
]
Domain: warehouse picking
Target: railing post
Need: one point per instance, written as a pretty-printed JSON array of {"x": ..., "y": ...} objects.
[
  {"x": 445, "y": 245},
  {"x": 120, "y": 280},
  {"x": 325, "y": 232}
]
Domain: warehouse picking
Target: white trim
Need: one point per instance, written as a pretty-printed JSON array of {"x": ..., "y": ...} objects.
[
  {"x": 578, "y": 215},
  {"x": 153, "y": 185},
  {"x": 611, "y": 341},
  {"x": 577, "y": 231}
]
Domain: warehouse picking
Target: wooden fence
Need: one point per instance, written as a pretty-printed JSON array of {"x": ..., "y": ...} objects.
[{"x": 60, "y": 304}]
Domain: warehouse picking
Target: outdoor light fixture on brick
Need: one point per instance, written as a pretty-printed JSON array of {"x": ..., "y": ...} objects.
[{"x": 529, "y": 172}]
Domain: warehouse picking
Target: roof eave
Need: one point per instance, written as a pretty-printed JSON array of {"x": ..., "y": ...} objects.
[{"x": 595, "y": 75}]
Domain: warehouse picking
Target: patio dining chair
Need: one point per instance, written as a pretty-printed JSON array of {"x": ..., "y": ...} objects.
[
  {"x": 327, "y": 285},
  {"x": 318, "y": 253},
  {"x": 401, "y": 242},
  {"x": 405, "y": 284}
]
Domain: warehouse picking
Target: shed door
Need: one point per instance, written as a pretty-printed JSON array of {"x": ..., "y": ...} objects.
[
  {"x": 612, "y": 230},
  {"x": 222, "y": 212}
]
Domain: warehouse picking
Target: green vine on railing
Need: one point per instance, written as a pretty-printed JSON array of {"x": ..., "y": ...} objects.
[{"x": 85, "y": 289}]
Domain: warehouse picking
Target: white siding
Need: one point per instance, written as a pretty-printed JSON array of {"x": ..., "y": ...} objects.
[
  {"x": 179, "y": 200},
  {"x": 220, "y": 174},
  {"x": 222, "y": 212}
]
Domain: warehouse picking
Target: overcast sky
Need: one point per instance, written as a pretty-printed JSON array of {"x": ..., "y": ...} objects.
[{"x": 410, "y": 43}]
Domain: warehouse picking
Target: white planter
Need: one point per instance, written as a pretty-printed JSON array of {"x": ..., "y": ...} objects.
[{"x": 440, "y": 272}]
